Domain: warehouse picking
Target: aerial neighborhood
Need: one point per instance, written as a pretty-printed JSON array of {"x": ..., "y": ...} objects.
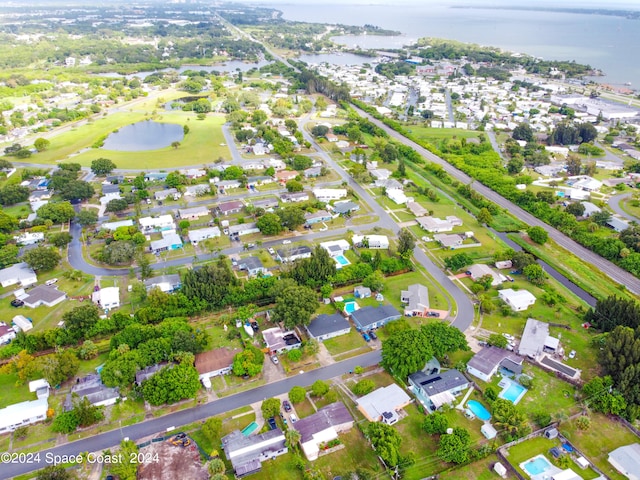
[{"x": 222, "y": 259}]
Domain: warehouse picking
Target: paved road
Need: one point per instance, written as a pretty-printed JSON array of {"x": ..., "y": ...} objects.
[
  {"x": 465, "y": 310},
  {"x": 185, "y": 417},
  {"x": 614, "y": 203},
  {"x": 613, "y": 271}
]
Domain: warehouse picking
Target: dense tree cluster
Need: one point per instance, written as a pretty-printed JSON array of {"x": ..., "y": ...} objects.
[{"x": 171, "y": 384}]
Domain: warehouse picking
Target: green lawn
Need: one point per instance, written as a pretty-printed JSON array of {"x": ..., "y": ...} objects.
[
  {"x": 12, "y": 391},
  {"x": 415, "y": 440},
  {"x": 480, "y": 470},
  {"x": 435, "y": 135},
  {"x": 595, "y": 443},
  {"x": 304, "y": 408},
  {"x": 200, "y": 146},
  {"x": 344, "y": 343}
]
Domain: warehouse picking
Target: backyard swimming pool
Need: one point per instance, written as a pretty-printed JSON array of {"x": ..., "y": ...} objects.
[
  {"x": 478, "y": 410},
  {"x": 536, "y": 465},
  {"x": 342, "y": 261},
  {"x": 350, "y": 307},
  {"x": 249, "y": 429},
  {"x": 514, "y": 392}
]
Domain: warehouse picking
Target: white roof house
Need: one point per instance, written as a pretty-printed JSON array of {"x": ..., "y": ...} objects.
[
  {"x": 24, "y": 413},
  {"x": 329, "y": 194},
  {"x": 383, "y": 404},
  {"x": 322, "y": 427},
  {"x": 479, "y": 270},
  {"x": 435, "y": 224},
  {"x": 372, "y": 241},
  {"x": 397, "y": 196},
  {"x": 107, "y": 298},
  {"x": 336, "y": 247},
  {"x": 28, "y": 238},
  {"x": 196, "y": 236},
  {"x": 115, "y": 225},
  {"x": 626, "y": 460},
  {"x": 416, "y": 300},
  {"x": 163, "y": 222},
  {"x": 586, "y": 183},
  {"x": 518, "y": 300},
  {"x": 19, "y": 273}
]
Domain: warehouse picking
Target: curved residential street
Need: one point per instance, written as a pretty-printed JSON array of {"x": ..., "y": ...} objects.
[
  {"x": 613, "y": 271},
  {"x": 614, "y": 203}
]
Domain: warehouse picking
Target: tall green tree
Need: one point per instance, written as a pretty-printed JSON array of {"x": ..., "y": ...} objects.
[
  {"x": 248, "y": 362},
  {"x": 102, "y": 166},
  {"x": 42, "y": 259},
  {"x": 295, "y": 305},
  {"x": 444, "y": 338},
  {"x": 406, "y": 243},
  {"x": 405, "y": 352},
  {"x": 455, "y": 447}
]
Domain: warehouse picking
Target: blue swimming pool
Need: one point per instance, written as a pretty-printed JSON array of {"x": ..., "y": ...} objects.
[
  {"x": 513, "y": 392},
  {"x": 536, "y": 465},
  {"x": 249, "y": 429},
  {"x": 350, "y": 307},
  {"x": 342, "y": 260},
  {"x": 478, "y": 410}
]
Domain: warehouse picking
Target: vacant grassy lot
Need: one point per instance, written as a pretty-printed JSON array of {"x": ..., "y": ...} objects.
[
  {"x": 12, "y": 391},
  {"x": 480, "y": 470},
  {"x": 344, "y": 343}
]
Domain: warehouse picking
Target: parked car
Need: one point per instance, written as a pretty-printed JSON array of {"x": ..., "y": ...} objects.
[
  {"x": 293, "y": 418},
  {"x": 286, "y": 405},
  {"x": 148, "y": 201},
  {"x": 366, "y": 337},
  {"x": 271, "y": 251},
  {"x": 507, "y": 336},
  {"x": 96, "y": 288},
  {"x": 286, "y": 242},
  {"x": 53, "y": 281},
  {"x": 272, "y": 423},
  {"x": 17, "y": 303},
  {"x": 433, "y": 314},
  {"x": 275, "y": 360},
  {"x": 373, "y": 335},
  {"x": 572, "y": 354}
]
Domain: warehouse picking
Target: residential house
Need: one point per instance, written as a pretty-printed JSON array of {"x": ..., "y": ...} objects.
[
  {"x": 252, "y": 165},
  {"x": 435, "y": 224},
  {"x": 584, "y": 182},
  {"x": 252, "y": 265},
  {"x": 331, "y": 137},
  {"x": 157, "y": 224},
  {"x": 417, "y": 209},
  {"x": 169, "y": 241},
  {"x": 218, "y": 361},
  {"x": 107, "y": 298},
  {"x": 416, "y": 298},
  {"x": 626, "y": 460},
  {"x": 148, "y": 372},
  {"x": 39, "y": 195},
  {"x": 449, "y": 240},
  {"x": 92, "y": 388},
  {"x": 292, "y": 254},
  {"x": 40, "y": 387},
  {"x": 345, "y": 208},
  {"x": 384, "y": 404},
  {"x": 371, "y": 241},
  {"x": 115, "y": 179},
  {"x": 617, "y": 224},
  {"x": 112, "y": 226},
  {"x": 276, "y": 163},
  {"x": 504, "y": 264},
  {"x": 283, "y": 176},
  {"x": 197, "y": 190},
  {"x": 197, "y": 236},
  {"x": 434, "y": 391},
  {"x": 380, "y": 173},
  {"x": 487, "y": 361},
  {"x": 322, "y": 427},
  {"x": 336, "y": 247},
  {"x": 110, "y": 191},
  {"x": 227, "y": 184},
  {"x": 7, "y": 333},
  {"x": 19, "y": 273},
  {"x": 518, "y": 300},
  {"x": 21, "y": 323},
  {"x": 172, "y": 193},
  {"x": 294, "y": 197},
  {"x": 368, "y": 318},
  {"x": 229, "y": 208},
  {"x": 329, "y": 194},
  {"x": 536, "y": 339},
  {"x": 193, "y": 173},
  {"x": 268, "y": 203},
  {"x": 22, "y": 414},
  {"x": 43, "y": 295},
  {"x": 317, "y": 217},
  {"x": 590, "y": 209},
  {"x": 280, "y": 341},
  {"x": 242, "y": 229},
  {"x": 28, "y": 238},
  {"x": 389, "y": 184},
  {"x": 313, "y": 172},
  {"x": 398, "y": 196},
  {"x": 326, "y": 326},
  {"x": 166, "y": 283},
  {"x": 192, "y": 213},
  {"x": 479, "y": 270},
  {"x": 361, "y": 292},
  {"x": 246, "y": 453}
]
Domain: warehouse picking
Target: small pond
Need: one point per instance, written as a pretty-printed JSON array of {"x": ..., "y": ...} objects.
[{"x": 147, "y": 135}]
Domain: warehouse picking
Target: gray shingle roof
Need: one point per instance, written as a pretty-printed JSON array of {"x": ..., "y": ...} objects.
[
  {"x": 439, "y": 382},
  {"x": 369, "y": 315},
  {"x": 325, "y": 324},
  {"x": 332, "y": 415}
]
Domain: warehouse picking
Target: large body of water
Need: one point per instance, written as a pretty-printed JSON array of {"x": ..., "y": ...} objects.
[
  {"x": 606, "y": 42},
  {"x": 146, "y": 135}
]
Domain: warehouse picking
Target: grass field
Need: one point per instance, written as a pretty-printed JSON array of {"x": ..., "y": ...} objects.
[
  {"x": 12, "y": 391},
  {"x": 434, "y": 135},
  {"x": 344, "y": 343},
  {"x": 480, "y": 470},
  {"x": 200, "y": 146}
]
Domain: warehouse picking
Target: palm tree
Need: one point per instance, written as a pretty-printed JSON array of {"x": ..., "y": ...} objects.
[{"x": 292, "y": 437}]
